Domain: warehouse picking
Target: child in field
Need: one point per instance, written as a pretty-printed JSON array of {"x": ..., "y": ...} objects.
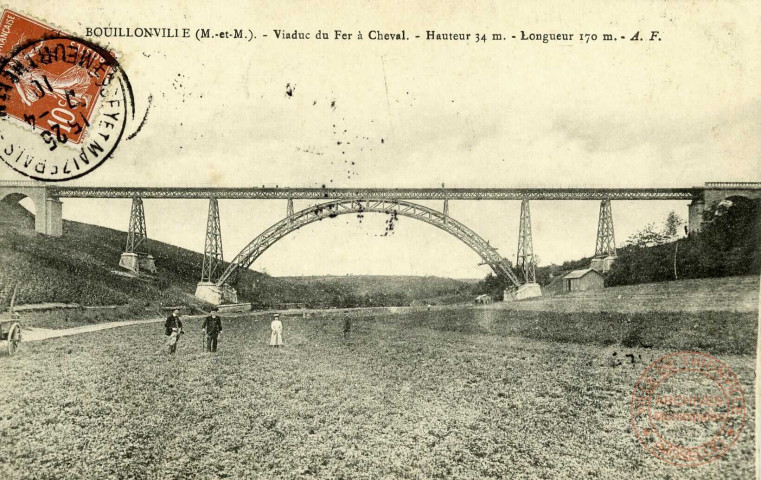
[{"x": 276, "y": 338}]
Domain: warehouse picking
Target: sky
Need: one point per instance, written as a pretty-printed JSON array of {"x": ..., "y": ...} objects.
[{"x": 673, "y": 113}]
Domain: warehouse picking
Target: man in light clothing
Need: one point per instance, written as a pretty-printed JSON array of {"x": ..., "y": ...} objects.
[{"x": 276, "y": 339}]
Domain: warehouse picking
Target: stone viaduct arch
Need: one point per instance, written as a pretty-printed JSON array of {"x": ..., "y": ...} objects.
[
  {"x": 715, "y": 192},
  {"x": 47, "y": 218}
]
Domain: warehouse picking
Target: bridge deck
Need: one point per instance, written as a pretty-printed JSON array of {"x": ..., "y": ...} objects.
[{"x": 385, "y": 193}]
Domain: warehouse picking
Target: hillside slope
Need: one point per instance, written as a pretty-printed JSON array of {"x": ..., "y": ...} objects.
[{"x": 82, "y": 267}]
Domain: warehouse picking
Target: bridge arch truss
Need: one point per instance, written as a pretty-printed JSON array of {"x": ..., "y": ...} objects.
[{"x": 332, "y": 209}]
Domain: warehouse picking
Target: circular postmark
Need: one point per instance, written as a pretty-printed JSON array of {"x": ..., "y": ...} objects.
[
  {"x": 688, "y": 409},
  {"x": 64, "y": 106}
]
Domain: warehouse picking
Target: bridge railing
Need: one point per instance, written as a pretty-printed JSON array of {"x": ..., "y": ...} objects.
[
  {"x": 733, "y": 184},
  {"x": 382, "y": 193}
]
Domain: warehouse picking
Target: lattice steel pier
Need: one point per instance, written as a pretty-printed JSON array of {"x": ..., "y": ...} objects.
[{"x": 137, "y": 237}]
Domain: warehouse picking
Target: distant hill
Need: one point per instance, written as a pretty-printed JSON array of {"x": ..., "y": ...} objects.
[
  {"x": 82, "y": 267},
  {"x": 375, "y": 290}
]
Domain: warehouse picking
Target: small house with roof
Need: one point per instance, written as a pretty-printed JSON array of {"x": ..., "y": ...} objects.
[{"x": 586, "y": 279}]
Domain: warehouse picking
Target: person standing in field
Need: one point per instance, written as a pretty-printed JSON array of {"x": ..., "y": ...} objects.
[
  {"x": 276, "y": 338},
  {"x": 347, "y": 325},
  {"x": 212, "y": 328},
  {"x": 173, "y": 329}
]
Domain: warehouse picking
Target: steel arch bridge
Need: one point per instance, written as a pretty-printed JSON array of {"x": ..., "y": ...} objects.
[{"x": 318, "y": 212}]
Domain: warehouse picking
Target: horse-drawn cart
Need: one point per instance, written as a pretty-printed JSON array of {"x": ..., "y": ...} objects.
[{"x": 10, "y": 329}]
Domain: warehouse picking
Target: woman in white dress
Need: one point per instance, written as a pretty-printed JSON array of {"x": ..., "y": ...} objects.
[{"x": 276, "y": 339}]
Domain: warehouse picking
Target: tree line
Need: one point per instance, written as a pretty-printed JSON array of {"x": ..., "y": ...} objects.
[{"x": 728, "y": 244}]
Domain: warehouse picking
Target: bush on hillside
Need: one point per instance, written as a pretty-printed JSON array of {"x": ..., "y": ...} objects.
[{"x": 729, "y": 244}]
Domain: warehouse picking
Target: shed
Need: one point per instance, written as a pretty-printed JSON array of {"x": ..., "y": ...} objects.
[{"x": 580, "y": 280}]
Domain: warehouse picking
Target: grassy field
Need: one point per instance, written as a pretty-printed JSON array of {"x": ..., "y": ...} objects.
[
  {"x": 446, "y": 393},
  {"x": 738, "y": 294}
]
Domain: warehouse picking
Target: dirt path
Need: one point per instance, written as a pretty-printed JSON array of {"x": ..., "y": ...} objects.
[
  {"x": 33, "y": 334},
  {"x": 36, "y": 334}
]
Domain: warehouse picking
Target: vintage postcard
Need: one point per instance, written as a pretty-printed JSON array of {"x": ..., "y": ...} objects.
[{"x": 379, "y": 239}]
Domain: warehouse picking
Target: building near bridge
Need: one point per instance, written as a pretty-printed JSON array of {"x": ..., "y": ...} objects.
[{"x": 580, "y": 280}]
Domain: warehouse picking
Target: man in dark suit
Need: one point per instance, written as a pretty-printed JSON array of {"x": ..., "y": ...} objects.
[
  {"x": 212, "y": 327},
  {"x": 173, "y": 329}
]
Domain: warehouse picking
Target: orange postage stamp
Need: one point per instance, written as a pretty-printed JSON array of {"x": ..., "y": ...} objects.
[{"x": 69, "y": 96}]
